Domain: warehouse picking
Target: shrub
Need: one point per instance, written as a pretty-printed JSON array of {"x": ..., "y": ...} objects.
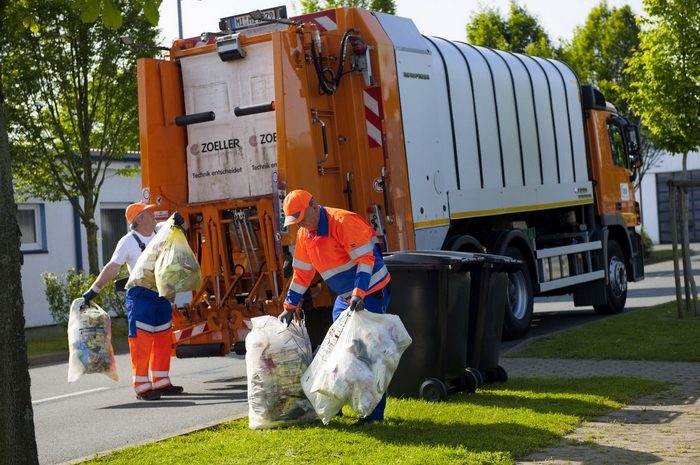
[
  {"x": 647, "y": 244},
  {"x": 60, "y": 293}
]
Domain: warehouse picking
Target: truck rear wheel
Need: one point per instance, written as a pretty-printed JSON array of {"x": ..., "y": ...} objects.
[
  {"x": 616, "y": 287},
  {"x": 519, "y": 301}
]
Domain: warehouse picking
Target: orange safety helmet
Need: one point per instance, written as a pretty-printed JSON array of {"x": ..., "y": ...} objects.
[
  {"x": 295, "y": 204},
  {"x": 133, "y": 210}
]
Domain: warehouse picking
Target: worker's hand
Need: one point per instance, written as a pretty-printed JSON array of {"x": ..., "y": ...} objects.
[
  {"x": 178, "y": 219},
  {"x": 357, "y": 303},
  {"x": 89, "y": 295},
  {"x": 287, "y": 316}
]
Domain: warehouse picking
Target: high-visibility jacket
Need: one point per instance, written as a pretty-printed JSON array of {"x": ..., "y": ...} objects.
[{"x": 344, "y": 250}]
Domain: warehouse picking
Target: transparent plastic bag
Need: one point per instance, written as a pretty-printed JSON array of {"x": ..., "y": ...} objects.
[
  {"x": 276, "y": 357},
  {"x": 355, "y": 363},
  {"x": 143, "y": 274},
  {"x": 176, "y": 268},
  {"x": 90, "y": 341}
]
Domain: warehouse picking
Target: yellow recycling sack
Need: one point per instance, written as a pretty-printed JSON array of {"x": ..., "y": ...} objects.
[{"x": 176, "y": 267}]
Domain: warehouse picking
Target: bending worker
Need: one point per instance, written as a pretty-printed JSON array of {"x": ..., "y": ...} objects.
[
  {"x": 343, "y": 248},
  {"x": 149, "y": 316}
]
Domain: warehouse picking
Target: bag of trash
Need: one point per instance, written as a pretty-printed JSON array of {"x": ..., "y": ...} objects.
[
  {"x": 355, "y": 363},
  {"x": 143, "y": 274},
  {"x": 176, "y": 268},
  {"x": 276, "y": 357},
  {"x": 90, "y": 341}
]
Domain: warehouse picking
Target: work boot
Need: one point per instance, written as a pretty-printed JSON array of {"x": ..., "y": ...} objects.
[
  {"x": 170, "y": 390},
  {"x": 366, "y": 421},
  {"x": 148, "y": 395}
]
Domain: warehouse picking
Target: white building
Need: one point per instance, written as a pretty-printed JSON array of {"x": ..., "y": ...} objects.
[
  {"x": 54, "y": 239},
  {"x": 654, "y": 199}
]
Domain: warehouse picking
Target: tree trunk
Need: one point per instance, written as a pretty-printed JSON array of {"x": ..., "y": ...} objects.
[
  {"x": 673, "y": 192},
  {"x": 18, "y": 443},
  {"x": 692, "y": 292},
  {"x": 91, "y": 235}
]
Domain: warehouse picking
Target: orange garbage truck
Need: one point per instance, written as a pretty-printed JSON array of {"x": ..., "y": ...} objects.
[{"x": 441, "y": 145}]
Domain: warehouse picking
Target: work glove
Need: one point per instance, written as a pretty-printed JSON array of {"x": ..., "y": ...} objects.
[
  {"x": 89, "y": 295},
  {"x": 287, "y": 316},
  {"x": 178, "y": 219},
  {"x": 357, "y": 303}
]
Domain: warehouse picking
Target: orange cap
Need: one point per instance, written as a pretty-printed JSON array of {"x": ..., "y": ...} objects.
[
  {"x": 133, "y": 210},
  {"x": 294, "y": 206}
]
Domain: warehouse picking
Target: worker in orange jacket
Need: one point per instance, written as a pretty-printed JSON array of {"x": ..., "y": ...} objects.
[
  {"x": 149, "y": 316},
  {"x": 343, "y": 248}
]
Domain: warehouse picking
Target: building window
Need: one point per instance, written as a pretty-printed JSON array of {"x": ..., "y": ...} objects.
[
  {"x": 113, "y": 227},
  {"x": 32, "y": 226}
]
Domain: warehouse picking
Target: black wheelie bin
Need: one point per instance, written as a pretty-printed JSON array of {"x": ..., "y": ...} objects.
[
  {"x": 489, "y": 295},
  {"x": 431, "y": 294}
]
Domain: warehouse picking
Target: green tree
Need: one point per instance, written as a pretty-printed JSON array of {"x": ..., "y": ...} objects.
[
  {"x": 17, "y": 443},
  {"x": 384, "y": 6},
  {"x": 17, "y": 438},
  {"x": 664, "y": 86},
  {"x": 519, "y": 32},
  {"x": 71, "y": 97},
  {"x": 599, "y": 48}
]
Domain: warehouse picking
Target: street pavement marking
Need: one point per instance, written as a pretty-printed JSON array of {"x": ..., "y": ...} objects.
[{"x": 41, "y": 401}]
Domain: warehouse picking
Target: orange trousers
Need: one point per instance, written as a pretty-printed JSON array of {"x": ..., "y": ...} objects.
[{"x": 150, "y": 359}]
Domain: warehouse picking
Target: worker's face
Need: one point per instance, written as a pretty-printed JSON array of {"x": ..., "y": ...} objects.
[
  {"x": 147, "y": 221},
  {"x": 310, "y": 220}
]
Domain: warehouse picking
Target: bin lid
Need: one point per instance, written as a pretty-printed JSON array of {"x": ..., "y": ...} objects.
[{"x": 432, "y": 260}]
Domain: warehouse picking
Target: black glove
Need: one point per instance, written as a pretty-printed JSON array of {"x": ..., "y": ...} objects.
[
  {"x": 89, "y": 295},
  {"x": 178, "y": 219},
  {"x": 357, "y": 303},
  {"x": 287, "y": 316}
]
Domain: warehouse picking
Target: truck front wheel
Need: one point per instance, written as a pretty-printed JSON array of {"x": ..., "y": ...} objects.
[
  {"x": 616, "y": 288},
  {"x": 519, "y": 301}
]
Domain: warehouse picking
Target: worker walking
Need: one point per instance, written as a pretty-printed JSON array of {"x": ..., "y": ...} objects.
[
  {"x": 149, "y": 316},
  {"x": 343, "y": 248}
]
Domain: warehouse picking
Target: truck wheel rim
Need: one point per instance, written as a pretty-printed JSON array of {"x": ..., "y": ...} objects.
[
  {"x": 517, "y": 295},
  {"x": 618, "y": 277}
]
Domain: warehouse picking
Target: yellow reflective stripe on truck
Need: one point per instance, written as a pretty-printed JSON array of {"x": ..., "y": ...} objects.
[{"x": 523, "y": 208}]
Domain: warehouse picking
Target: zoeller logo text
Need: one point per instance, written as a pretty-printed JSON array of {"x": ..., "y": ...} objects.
[{"x": 215, "y": 146}]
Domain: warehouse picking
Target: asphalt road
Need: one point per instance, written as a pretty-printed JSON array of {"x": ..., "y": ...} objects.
[{"x": 96, "y": 414}]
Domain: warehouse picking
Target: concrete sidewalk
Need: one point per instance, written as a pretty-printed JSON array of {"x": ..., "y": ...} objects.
[{"x": 660, "y": 428}]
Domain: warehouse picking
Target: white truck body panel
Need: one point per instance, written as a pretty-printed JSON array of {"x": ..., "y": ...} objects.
[
  {"x": 504, "y": 130},
  {"x": 231, "y": 157},
  {"x": 427, "y": 134}
]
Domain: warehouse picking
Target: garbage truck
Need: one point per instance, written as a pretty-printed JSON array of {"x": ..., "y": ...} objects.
[{"x": 439, "y": 144}]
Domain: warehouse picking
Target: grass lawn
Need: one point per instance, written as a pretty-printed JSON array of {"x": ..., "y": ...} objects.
[
  {"x": 662, "y": 255},
  {"x": 55, "y": 339},
  {"x": 654, "y": 333},
  {"x": 493, "y": 426}
]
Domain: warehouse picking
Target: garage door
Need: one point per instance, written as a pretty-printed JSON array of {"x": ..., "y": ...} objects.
[{"x": 664, "y": 206}]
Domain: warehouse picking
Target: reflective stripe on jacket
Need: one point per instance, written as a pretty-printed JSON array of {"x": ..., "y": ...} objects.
[{"x": 344, "y": 250}]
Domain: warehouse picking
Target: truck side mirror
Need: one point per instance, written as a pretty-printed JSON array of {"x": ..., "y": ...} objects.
[{"x": 633, "y": 145}]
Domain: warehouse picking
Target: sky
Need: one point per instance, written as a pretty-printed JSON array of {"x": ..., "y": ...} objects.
[{"x": 444, "y": 18}]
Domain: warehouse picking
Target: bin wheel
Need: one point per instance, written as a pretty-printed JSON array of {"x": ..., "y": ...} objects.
[
  {"x": 501, "y": 374},
  {"x": 433, "y": 390},
  {"x": 471, "y": 380},
  {"x": 477, "y": 374}
]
